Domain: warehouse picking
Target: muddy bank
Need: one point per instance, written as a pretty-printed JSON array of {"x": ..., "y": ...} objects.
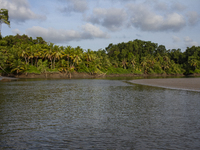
[
  {"x": 58, "y": 75},
  {"x": 84, "y": 75},
  {"x": 173, "y": 83}
]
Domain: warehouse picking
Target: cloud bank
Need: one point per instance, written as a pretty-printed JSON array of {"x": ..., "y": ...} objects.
[
  {"x": 19, "y": 10},
  {"x": 89, "y": 31},
  {"x": 111, "y": 18},
  {"x": 146, "y": 20},
  {"x": 79, "y": 6}
]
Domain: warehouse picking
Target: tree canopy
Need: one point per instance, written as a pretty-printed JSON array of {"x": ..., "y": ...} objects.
[{"x": 23, "y": 54}]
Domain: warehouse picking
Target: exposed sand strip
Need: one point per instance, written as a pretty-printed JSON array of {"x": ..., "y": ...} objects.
[
  {"x": 174, "y": 83},
  {"x": 7, "y": 78}
]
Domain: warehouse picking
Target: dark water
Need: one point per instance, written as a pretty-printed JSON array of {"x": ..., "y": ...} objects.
[{"x": 97, "y": 114}]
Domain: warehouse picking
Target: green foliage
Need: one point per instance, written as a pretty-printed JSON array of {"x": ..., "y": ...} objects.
[
  {"x": 33, "y": 69},
  {"x": 21, "y": 54},
  {"x": 137, "y": 71},
  {"x": 197, "y": 71},
  {"x": 113, "y": 70},
  {"x": 42, "y": 66},
  {"x": 83, "y": 68}
]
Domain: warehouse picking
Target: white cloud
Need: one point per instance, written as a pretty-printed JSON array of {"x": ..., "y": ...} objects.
[
  {"x": 60, "y": 36},
  {"x": 52, "y": 34},
  {"x": 19, "y": 10},
  {"x": 112, "y": 18},
  {"x": 93, "y": 31},
  {"x": 189, "y": 42},
  {"x": 146, "y": 20}
]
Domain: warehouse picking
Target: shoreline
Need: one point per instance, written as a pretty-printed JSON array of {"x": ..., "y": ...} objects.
[
  {"x": 4, "y": 78},
  {"x": 172, "y": 83},
  {"x": 57, "y": 75},
  {"x": 75, "y": 75},
  {"x": 192, "y": 84}
]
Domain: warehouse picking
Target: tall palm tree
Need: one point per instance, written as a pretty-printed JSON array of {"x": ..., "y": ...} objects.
[
  {"x": 132, "y": 59},
  {"x": 56, "y": 54},
  {"x": 49, "y": 53},
  {"x": 62, "y": 65},
  {"x": 31, "y": 54},
  {"x": 77, "y": 56},
  {"x": 24, "y": 53},
  {"x": 37, "y": 53},
  {"x": 192, "y": 60},
  {"x": 17, "y": 66},
  {"x": 144, "y": 64},
  {"x": 124, "y": 62},
  {"x": 4, "y": 18},
  {"x": 88, "y": 56}
]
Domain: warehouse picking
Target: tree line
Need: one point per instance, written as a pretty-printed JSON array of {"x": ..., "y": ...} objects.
[{"x": 23, "y": 54}]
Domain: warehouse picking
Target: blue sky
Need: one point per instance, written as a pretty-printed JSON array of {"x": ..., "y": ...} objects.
[{"x": 94, "y": 24}]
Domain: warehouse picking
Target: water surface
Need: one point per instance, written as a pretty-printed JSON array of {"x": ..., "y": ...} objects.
[{"x": 97, "y": 114}]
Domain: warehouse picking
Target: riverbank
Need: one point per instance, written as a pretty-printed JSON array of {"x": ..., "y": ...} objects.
[
  {"x": 58, "y": 75},
  {"x": 173, "y": 83}
]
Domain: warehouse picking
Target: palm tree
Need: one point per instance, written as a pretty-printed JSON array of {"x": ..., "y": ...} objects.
[
  {"x": 24, "y": 53},
  {"x": 150, "y": 61},
  {"x": 166, "y": 62},
  {"x": 37, "y": 53},
  {"x": 124, "y": 62},
  {"x": 192, "y": 60},
  {"x": 62, "y": 65},
  {"x": 77, "y": 56},
  {"x": 31, "y": 54},
  {"x": 88, "y": 56},
  {"x": 49, "y": 53},
  {"x": 68, "y": 54},
  {"x": 144, "y": 64},
  {"x": 57, "y": 54},
  {"x": 4, "y": 18},
  {"x": 17, "y": 66},
  {"x": 132, "y": 59}
]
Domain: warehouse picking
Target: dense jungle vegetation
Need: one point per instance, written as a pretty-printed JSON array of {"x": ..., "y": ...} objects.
[{"x": 23, "y": 54}]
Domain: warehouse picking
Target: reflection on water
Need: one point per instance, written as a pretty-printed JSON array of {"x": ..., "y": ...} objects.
[{"x": 97, "y": 114}]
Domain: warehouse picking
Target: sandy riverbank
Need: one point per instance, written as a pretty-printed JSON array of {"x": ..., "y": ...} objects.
[
  {"x": 174, "y": 83},
  {"x": 7, "y": 78}
]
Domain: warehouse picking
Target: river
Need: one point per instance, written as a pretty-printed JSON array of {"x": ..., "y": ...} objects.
[{"x": 97, "y": 114}]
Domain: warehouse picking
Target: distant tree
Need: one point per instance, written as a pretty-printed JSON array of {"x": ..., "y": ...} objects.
[{"x": 161, "y": 50}]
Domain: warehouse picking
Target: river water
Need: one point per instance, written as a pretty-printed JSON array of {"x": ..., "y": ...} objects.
[{"x": 97, "y": 114}]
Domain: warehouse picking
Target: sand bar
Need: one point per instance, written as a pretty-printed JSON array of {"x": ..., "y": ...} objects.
[
  {"x": 173, "y": 83},
  {"x": 7, "y": 78}
]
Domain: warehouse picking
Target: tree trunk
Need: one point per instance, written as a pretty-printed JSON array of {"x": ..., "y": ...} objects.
[
  {"x": 54, "y": 60},
  {"x": 32, "y": 61},
  {"x": 51, "y": 63}
]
